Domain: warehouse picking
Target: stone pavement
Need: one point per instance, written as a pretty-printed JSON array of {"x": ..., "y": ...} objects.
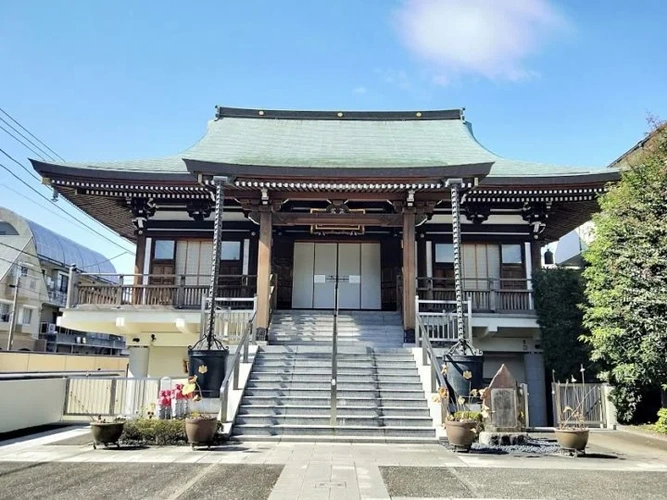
[{"x": 618, "y": 466}]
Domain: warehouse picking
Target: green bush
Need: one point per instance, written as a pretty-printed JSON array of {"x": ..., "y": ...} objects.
[
  {"x": 153, "y": 431},
  {"x": 661, "y": 424}
]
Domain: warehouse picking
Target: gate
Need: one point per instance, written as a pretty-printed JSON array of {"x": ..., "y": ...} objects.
[{"x": 588, "y": 399}]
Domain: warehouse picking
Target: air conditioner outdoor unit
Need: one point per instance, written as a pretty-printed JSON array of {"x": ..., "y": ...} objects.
[{"x": 51, "y": 328}]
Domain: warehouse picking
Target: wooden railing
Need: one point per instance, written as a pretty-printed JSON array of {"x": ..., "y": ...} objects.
[
  {"x": 184, "y": 291},
  {"x": 485, "y": 295}
]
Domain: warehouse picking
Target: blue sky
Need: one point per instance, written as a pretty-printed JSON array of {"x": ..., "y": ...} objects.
[{"x": 566, "y": 82}]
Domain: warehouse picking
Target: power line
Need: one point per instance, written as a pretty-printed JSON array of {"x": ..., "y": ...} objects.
[
  {"x": 65, "y": 264},
  {"x": 31, "y": 173},
  {"x": 26, "y": 138},
  {"x": 59, "y": 207},
  {"x": 49, "y": 209},
  {"x": 32, "y": 135},
  {"x": 38, "y": 178}
]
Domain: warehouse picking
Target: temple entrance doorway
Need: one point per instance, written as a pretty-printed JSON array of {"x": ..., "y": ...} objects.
[{"x": 356, "y": 266}]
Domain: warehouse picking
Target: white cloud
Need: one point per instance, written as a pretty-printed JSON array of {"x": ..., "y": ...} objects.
[
  {"x": 360, "y": 90},
  {"x": 489, "y": 38}
]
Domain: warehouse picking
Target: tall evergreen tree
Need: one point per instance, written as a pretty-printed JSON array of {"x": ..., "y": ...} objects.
[{"x": 626, "y": 280}]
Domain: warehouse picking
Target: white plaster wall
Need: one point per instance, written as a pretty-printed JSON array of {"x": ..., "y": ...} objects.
[
  {"x": 31, "y": 402},
  {"x": 166, "y": 361}
]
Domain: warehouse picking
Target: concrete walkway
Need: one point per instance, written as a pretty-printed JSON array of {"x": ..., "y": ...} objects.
[{"x": 619, "y": 465}]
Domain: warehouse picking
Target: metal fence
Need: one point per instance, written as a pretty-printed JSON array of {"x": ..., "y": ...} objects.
[
  {"x": 587, "y": 399},
  {"x": 111, "y": 396}
]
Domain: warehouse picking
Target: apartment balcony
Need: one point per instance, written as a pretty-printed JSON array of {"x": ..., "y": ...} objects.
[
  {"x": 55, "y": 335},
  {"x": 56, "y": 297}
]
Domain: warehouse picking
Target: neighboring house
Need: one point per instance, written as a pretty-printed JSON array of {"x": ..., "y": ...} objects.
[
  {"x": 311, "y": 197},
  {"x": 39, "y": 259},
  {"x": 569, "y": 249}
]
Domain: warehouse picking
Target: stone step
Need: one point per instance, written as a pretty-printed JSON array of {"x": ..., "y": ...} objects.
[
  {"x": 370, "y": 402},
  {"x": 324, "y": 383},
  {"x": 343, "y": 411},
  {"x": 342, "y": 358},
  {"x": 327, "y": 430},
  {"x": 278, "y": 370},
  {"x": 321, "y": 420},
  {"x": 396, "y": 393},
  {"x": 342, "y": 377}
]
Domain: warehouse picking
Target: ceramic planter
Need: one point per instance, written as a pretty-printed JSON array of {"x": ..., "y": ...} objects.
[
  {"x": 200, "y": 431},
  {"x": 106, "y": 433},
  {"x": 572, "y": 439},
  {"x": 460, "y": 435}
]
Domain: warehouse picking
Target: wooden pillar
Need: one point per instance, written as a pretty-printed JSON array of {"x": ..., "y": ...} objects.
[
  {"x": 139, "y": 257},
  {"x": 263, "y": 271},
  {"x": 535, "y": 256},
  {"x": 409, "y": 273},
  {"x": 421, "y": 257}
]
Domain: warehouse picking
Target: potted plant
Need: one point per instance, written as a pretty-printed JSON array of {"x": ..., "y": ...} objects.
[
  {"x": 200, "y": 428},
  {"x": 463, "y": 424},
  {"x": 572, "y": 432},
  {"x": 106, "y": 432}
]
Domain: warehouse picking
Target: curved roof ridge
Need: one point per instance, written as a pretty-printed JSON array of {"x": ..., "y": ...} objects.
[
  {"x": 62, "y": 250},
  {"x": 288, "y": 114}
]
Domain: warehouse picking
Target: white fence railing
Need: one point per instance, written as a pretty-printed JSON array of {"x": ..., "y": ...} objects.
[
  {"x": 437, "y": 318},
  {"x": 231, "y": 317}
]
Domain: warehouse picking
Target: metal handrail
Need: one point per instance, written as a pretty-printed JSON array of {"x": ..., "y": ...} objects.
[
  {"x": 233, "y": 371},
  {"x": 429, "y": 358}
]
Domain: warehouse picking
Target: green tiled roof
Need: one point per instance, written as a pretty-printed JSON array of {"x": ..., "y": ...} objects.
[{"x": 374, "y": 140}]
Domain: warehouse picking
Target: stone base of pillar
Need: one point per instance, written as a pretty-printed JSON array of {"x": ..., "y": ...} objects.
[
  {"x": 261, "y": 333},
  {"x": 409, "y": 336}
]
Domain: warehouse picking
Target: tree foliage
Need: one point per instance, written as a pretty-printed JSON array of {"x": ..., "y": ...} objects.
[
  {"x": 559, "y": 294},
  {"x": 626, "y": 279}
]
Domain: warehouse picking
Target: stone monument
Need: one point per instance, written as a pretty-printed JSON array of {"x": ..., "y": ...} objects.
[{"x": 504, "y": 421}]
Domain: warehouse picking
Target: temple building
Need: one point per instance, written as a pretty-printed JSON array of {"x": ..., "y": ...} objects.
[{"x": 378, "y": 202}]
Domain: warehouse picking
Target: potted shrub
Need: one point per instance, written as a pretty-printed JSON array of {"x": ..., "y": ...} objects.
[
  {"x": 463, "y": 424},
  {"x": 106, "y": 432},
  {"x": 199, "y": 427},
  {"x": 572, "y": 432}
]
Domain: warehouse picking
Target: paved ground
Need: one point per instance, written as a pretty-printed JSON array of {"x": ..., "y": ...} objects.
[{"x": 619, "y": 465}]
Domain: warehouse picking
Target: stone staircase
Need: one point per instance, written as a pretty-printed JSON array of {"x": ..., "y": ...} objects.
[
  {"x": 380, "y": 396},
  {"x": 371, "y": 328}
]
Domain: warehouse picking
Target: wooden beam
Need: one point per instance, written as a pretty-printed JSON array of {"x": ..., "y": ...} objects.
[
  {"x": 409, "y": 271},
  {"x": 297, "y": 219},
  {"x": 263, "y": 270}
]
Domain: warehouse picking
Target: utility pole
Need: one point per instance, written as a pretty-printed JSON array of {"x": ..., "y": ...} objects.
[{"x": 12, "y": 318}]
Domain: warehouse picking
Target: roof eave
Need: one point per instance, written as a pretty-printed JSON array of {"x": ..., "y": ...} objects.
[
  {"x": 54, "y": 170},
  {"x": 594, "y": 178},
  {"x": 439, "y": 172}
]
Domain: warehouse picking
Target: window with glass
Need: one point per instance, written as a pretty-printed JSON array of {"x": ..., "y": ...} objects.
[
  {"x": 26, "y": 317},
  {"x": 512, "y": 271},
  {"x": 444, "y": 253},
  {"x": 230, "y": 250},
  {"x": 4, "y": 312},
  {"x": 63, "y": 281},
  {"x": 164, "y": 249}
]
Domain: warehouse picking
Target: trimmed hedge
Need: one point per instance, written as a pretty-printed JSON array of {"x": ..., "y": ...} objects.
[{"x": 152, "y": 431}]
